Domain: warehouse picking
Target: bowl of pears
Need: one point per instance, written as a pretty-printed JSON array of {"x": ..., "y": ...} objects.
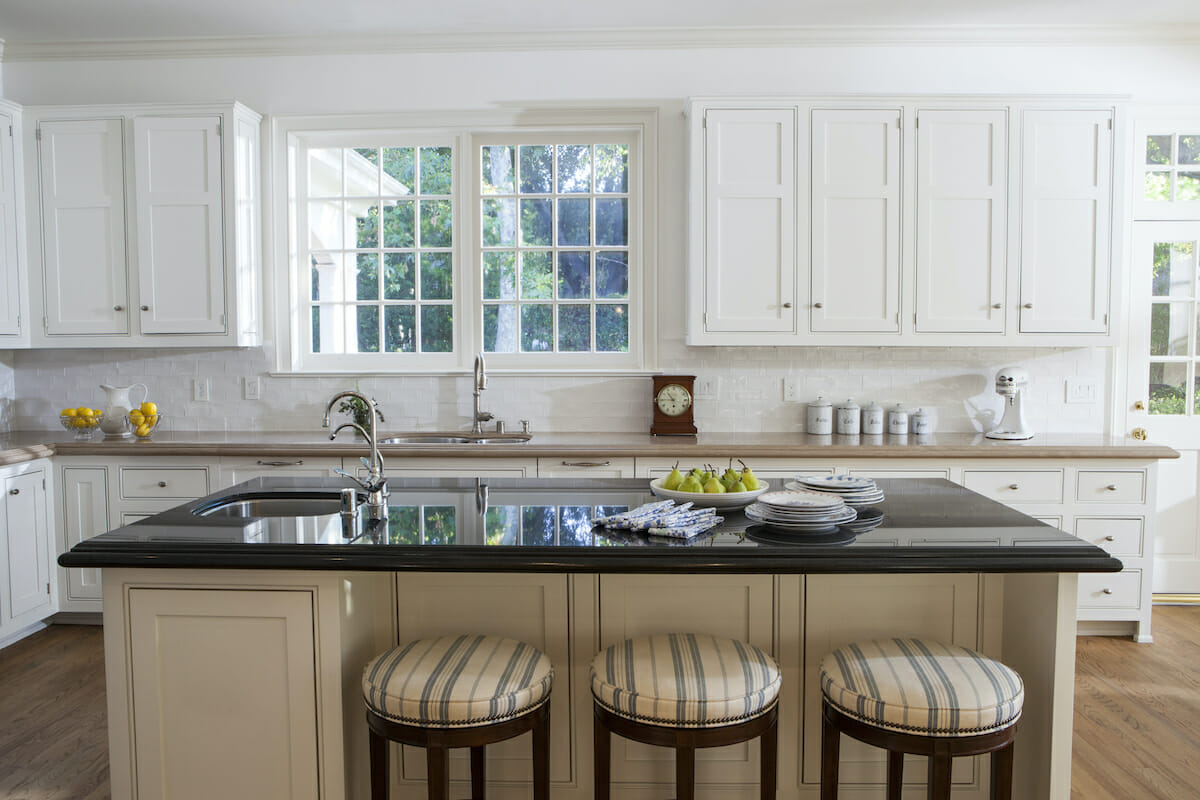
[{"x": 706, "y": 487}]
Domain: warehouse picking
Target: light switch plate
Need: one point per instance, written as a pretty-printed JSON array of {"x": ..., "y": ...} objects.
[
  {"x": 200, "y": 390},
  {"x": 707, "y": 388},
  {"x": 1081, "y": 391},
  {"x": 252, "y": 389},
  {"x": 791, "y": 390}
]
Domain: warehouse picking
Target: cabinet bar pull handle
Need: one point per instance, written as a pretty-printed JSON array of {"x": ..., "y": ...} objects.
[
  {"x": 1106, "y": 590},
  {"x": 1112, "y": 487},
  {"x": 1013, "y": 486},
  {"x": 145, "y": 308},
  {"x": 162, "y": 484},
  {"x": 295, "y": 463},
  {"x": 1109, "y": 539},
  {"x": 586, "y": 463},
  {"x": 14, "y": 491}
]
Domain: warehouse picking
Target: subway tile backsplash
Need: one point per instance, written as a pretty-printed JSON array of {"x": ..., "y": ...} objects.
[{"x": 955, "y": 384}]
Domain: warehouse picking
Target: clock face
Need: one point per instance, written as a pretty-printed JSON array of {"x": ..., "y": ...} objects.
[{"x": 673, "y": 400}]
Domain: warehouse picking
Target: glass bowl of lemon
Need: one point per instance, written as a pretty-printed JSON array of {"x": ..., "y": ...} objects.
[
  {"x": 82, "y": 421},
  {"x": 144, "y": 419}
]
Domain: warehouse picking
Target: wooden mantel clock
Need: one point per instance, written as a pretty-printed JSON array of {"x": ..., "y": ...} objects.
[{"x": 673, "y": 407}]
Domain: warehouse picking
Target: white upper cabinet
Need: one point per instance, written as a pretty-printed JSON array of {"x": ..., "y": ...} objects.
[
  {"x": 81, "y": 172},
  {"x": 856, "y": 220},
  {"x": 181, "y": 276},
  {"x": 148, "y": 232},
  {"x": 962, "y": 196},
  {"x": 11, "y": 295},
  {"x": 749, "y": 196},
  {"x": 1066, "y": 220}
]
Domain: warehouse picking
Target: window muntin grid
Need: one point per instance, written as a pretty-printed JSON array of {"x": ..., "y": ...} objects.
[
  {"x": 1171, "y": 167},
  {"x": 554, "y": 259},
  {"x": 380, "y": 239},
  {"x": 1174, "y": 335}
]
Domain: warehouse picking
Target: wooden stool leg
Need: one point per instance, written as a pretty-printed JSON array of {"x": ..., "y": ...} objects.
[
  {"x": 769, "y": 760},
  {"x": 478, "y": 773},
  {"x": 379, "y": 766},
  {"x": 685, "y": 772},
  {"x": 895, "y": 775},
  {"x": 1002, "y": 769},
  {"x": 439, "y": 772},
  {"x": 830, "y": 740},
  {"x": 541, "y": 754},
  {"x": 601, "y": 760},
  {"x": 939, "y": 777}
]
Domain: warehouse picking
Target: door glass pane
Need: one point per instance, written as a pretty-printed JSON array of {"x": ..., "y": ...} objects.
[
  {"x": 1158, "y": 186},
  {"x": 1169, "y": 324},
  {"x": 1174, "y": 269},
  {"x": 1187, "y": 186},
  {"x": 1158, "y": 149},
  {"x": 1189, "y": 149},
  {"x": 1168, "y": 388}
]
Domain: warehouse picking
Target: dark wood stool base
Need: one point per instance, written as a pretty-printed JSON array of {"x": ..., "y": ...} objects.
[
  {"x": 685, "y": 742},
  {"x": 439, "y": 741},
  {"x": 939, "y": 749}
]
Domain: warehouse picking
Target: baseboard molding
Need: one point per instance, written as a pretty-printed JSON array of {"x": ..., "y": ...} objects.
[
  {"x": 1176, "y": 599},
  {"x": 77, "y": 618},
  {"x": 17, "y": 636},
  {"x": 1105, "y": 628}
]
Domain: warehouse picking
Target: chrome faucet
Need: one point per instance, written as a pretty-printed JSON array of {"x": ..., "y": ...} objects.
[
  {"x": 479, "y": 417},
  {"x": 375, "y": 482}
]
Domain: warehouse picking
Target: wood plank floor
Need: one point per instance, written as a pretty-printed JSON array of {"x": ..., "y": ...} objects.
[{"x": 1137, "y": 715}]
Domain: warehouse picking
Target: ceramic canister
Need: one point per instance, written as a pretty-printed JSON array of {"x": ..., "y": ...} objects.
[
  {"x": 819, "y": 419},
  {"x": 872, "y": 419},
  {"x": 922, "y": 423},
  {"x": 898, "y": 420},
  {"x": 847, "y": 418}
]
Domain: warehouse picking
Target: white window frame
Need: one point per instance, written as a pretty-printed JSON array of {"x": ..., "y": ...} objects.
[
  {"x": 1172, "y": 209},
  {"x": 289, "y": 285}
]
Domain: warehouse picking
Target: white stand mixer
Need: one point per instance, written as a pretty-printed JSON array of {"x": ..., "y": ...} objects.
[{"x": 1011, "y": 384}]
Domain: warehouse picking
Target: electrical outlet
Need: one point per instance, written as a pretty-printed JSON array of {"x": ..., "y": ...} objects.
[
  {"x": 252, "y": 389},
  {"x": 791, "y": 390},
  {"x": 706, "y": 388},
  {"x": 200, "y": 390},
  {"x": 1081, "y": 391}
]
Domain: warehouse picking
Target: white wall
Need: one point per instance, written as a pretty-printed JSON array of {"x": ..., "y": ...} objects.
[{"x": 954, "y": 382}]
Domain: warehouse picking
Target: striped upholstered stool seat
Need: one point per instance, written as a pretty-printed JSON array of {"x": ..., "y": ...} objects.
[
  {"x": 685, "y": 691},
  {"x": 923, "y": 697},
  {"x": 458, "y": 691}
]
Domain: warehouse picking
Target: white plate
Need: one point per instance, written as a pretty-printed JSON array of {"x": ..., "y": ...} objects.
[
  {"x": 758, "y": 514},
  {"x": 851, "y": 498},
  {"x": 704, "y": 500},
  {"x": 801, "y": 499},
  {"x": 836, "y": 483}
]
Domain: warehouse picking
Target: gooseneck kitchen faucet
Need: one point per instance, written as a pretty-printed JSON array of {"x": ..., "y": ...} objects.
[
  {"x": 479, "y": 417},
  {"x": 376, "y": 482}
]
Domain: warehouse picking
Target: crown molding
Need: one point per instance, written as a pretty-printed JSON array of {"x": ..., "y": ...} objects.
[{"x": 604, "y": 39}]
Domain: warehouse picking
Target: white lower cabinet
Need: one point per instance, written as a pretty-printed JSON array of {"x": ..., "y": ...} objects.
[{"x": 26, "y": 591}]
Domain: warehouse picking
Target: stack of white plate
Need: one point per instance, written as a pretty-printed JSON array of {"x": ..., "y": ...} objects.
[
  {"x": 800, "y": 510},
  {"x": 852, "y": 489}
]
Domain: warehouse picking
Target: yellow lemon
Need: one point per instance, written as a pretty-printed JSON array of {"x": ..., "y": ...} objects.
[
  {"x": 143, "y": 430},
  {"x": 67, "y": 412},
  {"x": 152, "y": 420},
  {"x": 136, "y": 417},
  {"x": 149, "y": 409},
  {"x": 83, "y": 411}
]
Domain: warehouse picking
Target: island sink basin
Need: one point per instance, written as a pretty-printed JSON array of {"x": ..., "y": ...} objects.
[{"x": 273, "y": 504}]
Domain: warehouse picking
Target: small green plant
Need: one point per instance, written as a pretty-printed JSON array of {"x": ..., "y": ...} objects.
[{"x": 358, "y": 411}]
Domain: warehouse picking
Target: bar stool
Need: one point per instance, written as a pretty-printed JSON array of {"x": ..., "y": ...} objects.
[
  {"x": 921, "y": 697},
  {"x": 685, "y": 691},
  {"x": 458, "y": 691}
]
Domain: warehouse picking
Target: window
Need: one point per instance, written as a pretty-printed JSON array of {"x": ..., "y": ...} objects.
[
  {"x": 1167, "y": 183},
  {"x": 413, "y": 250}
]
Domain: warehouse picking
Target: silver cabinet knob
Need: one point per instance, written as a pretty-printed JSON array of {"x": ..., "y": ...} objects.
[
  {"x": 997, "y": 305},
  {"x": 162, "y": 484},
  {"x": 1013, "y": 486},
  {"x": 1106, "y": 591},
  {"x": 1112, "y": 487},
  {"x": 145, "y": 308},
  {"x": 818, "y": 305},
  {"x": 1109, "y": 539},
  {"x": 14, "y": 491},
  {"x": 118, "y": 308},
  {"x": 787, "y": 305},
  {"x": 1027, "y": 305}
]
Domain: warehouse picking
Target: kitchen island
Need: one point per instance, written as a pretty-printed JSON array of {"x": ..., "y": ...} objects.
[{"x": 234, "y": 644}]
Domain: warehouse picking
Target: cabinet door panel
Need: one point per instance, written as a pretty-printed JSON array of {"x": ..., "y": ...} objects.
[
  {"x": 856, "y": 220},
  {"x": 749, "y": 218},
  {"x": 10, "y": 307},
  {"x": 1066, "y": 221},
  {"x": 82, "y": 174},
  {"x": 961, "y": 210},
  {"x": 85, "y": 514},
  {"x": 180, "y": 235},
  {"x": 27, "y": 553},
  {"x": 208, "y": 725}
]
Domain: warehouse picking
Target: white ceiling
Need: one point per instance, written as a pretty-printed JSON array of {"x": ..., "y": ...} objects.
[{"x": 28, "y": 21}]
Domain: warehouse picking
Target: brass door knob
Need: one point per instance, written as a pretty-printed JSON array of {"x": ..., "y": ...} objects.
[
  {"x": 1139, "y": 434},
  {"x": 1139, "y": 405}
]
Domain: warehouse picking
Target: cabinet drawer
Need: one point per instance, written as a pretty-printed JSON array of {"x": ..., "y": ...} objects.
[
  {"x": 1110, "y": 486},
  {"x": 1016, "y": 486},
  {"x": 1120, "y": 536},
  {"x": 1111, "y": 589},
  {"x": 180, "y": 483},
  {"x": 585, "y": 466}
]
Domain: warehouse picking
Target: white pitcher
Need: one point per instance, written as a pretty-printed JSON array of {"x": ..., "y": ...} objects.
[{"x": 114, "y": 422}]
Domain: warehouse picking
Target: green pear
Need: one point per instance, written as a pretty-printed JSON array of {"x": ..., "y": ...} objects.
[
  {"x": 691, "y": 484},
  {"x": 714, "y": 486},
  {"x": 731, "y": 475},
  {"x": 674, "y": 479},
  {"x": 748, "y": 477},
  {"x": 738, "y": 486}
]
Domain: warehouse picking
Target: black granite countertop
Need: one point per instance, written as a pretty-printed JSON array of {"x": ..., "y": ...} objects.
[{"x": 544, "y": 525}]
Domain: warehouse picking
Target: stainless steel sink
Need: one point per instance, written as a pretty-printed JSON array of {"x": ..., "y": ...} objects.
[
  {"x": 275, "y": 504},
  {"x": 456, "y": 438}
]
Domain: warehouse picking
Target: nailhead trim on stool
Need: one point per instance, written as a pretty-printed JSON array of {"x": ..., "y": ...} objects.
[
  {"x": 685, "y": 691},
  {"x": 458, "y": 691},
  {"x": 922, "y": 697}
]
